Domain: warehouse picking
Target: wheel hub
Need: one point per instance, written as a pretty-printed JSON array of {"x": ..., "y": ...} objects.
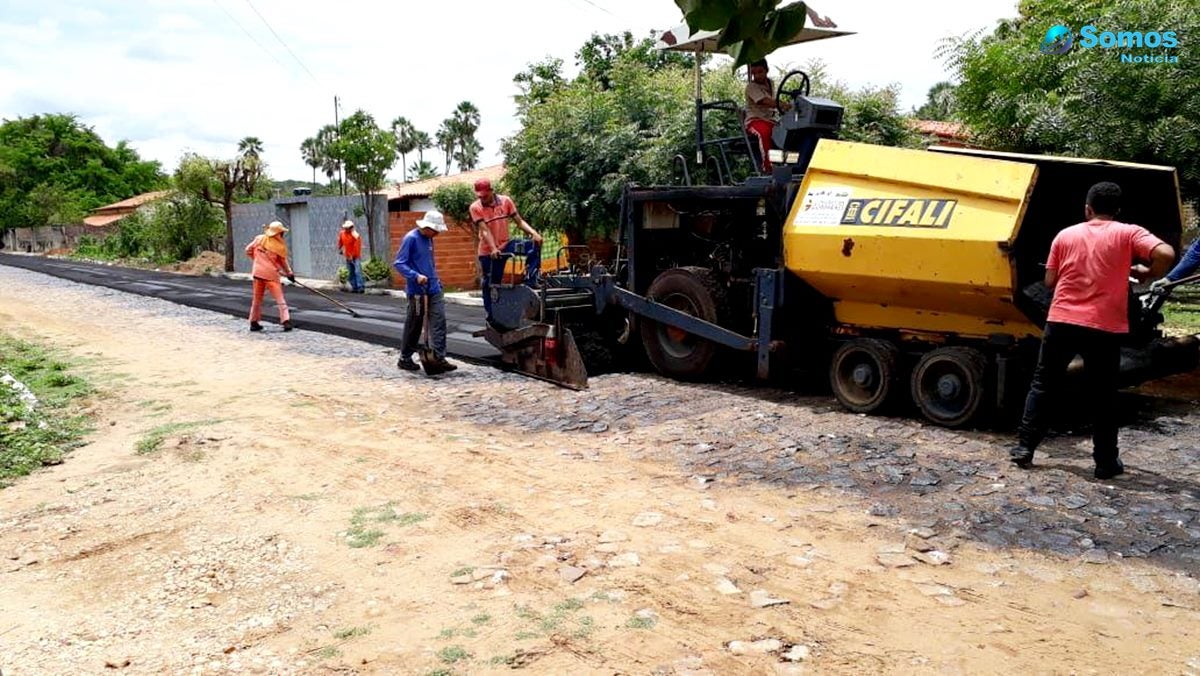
[
  {"x": 949, "y": 386},
  {"x": 863, "y": 375}
]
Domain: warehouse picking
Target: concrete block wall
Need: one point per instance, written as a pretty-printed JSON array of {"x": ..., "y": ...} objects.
[
  {"x": 248, "y": 220},
  {"x": 324, "y": 216}
]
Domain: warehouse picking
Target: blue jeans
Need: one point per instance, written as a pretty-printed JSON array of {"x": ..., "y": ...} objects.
[
  {"x": 354, "y": 266},
  {"x": 1188, "y": 263},
  {"x": 492, "y": 269}
]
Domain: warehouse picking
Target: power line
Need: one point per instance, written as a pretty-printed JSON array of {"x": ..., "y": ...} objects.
[
  {"x": 249, "y": 35},
  {"x": 285, "y": 45},
  {"x": 602, "y": 9}
]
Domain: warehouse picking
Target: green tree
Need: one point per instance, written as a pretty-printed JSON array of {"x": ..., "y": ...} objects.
[
  {"x": 749, "y": 30},
  {"x": 326, "y": 137},
  {"x": 250, "y": 146},
  {"x": 423, "y": 142},
  {"x": 367, "y": 153},
  {"x": 220, "y": 182},
  {"x": 454, "y": 200},
  {"x": 597, "y": 57},
  {"x": 939, "y": 103},
  {"x": 1085, "y": 102},
  {"x": 54, "y": 169},
  {"x": 466, "y": 155},
  {"x": 423, "y": 169},
  {"x": 539, "y": 81},
  {"x": 406, "y": 141},
  {"x": 180, "y": 226},
  {"x": 311, "y": 151},
  {"x": 582, "y": 141},
  {"x": 872, "y": 114},
  {"x": 464, "y": 122},
  {"x": 52, "y": 204},
  {"x": 446, "y": 139}
]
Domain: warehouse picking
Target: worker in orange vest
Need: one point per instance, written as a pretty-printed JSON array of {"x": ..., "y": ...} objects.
[
  {"x": 350, "y": 245},
  {"x": 269, "y": 253}
]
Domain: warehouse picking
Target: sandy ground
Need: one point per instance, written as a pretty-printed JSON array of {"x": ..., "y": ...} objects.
[{"x": 229, "y": 549}]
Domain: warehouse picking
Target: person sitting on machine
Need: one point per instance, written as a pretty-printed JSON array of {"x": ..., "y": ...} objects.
[{"x": 762, "y": 110}]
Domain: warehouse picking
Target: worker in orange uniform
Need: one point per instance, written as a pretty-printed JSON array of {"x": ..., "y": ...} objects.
[
  {"x": 350, "y": 245},
  {"x": 269, "y": 253}
]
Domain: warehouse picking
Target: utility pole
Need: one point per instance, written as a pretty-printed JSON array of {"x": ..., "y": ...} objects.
[{"x": 341, "y": 179}]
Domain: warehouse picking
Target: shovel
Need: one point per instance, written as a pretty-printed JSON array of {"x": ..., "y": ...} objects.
[{"x": 429, "y": 360}]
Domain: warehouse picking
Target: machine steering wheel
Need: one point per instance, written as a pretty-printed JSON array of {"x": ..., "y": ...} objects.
[{"x": 793, "y": 94}]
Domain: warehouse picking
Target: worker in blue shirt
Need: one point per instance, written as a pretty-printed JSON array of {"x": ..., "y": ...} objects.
[
  {"x": 1186, "y": 267},
  {"x": 415, "y": 263}
]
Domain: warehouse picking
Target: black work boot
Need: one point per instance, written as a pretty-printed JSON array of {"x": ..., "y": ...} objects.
[
  {"x": 446, "y": 365},
  {"x": 287, "y": 326},
  {"x": 255, "y": 326},
  {"x": 1022, "y": 457},
  {"x": 407, "y": 364},
  {"x": 1109, "y": 470}
]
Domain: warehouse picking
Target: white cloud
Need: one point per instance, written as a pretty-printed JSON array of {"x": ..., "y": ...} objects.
[{"x": 171, "y": 75}]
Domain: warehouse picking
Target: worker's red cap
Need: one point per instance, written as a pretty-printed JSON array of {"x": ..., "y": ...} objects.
[{"x": 483, "y": 185}]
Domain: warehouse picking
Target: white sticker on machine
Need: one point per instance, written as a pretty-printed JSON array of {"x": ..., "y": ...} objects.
[{"x": 822, "y": 206}]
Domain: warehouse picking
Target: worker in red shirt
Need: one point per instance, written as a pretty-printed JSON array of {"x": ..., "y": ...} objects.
[
  {"x": 350, "y": 246},
  {"x": 492, "y": 213},
  {"x": 1089, "y": 269}
]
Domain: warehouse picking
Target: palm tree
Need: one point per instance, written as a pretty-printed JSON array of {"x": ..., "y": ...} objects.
[
  {"x": 251, "y": 146},
  {"x": 423, "y": 142},
  {"x": 464, "y": 122},
  {"x": 939, "y": 103},
  {"x": 311, "y": 151},
  {"x": 466, "y": 118},
  {"x": 446, "y": 138},
  {"x": 405, "y": 134},
  {"x": 467, "y": 153},
  {"x": 423, "y": 169},
  {"x": 329, "y": 164}
]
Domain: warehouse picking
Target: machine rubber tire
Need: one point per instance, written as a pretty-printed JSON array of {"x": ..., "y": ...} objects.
[
  {"x": 865, "y": 374},
  {"x": 672, "y": 352},
  {"x": 949, "y": 385}
]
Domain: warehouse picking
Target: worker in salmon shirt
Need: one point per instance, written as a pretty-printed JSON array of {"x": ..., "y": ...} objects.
[{"x": 269, "y": 253}]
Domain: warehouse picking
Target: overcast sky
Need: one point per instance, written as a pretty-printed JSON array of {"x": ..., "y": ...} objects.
[{"x": 176, "y": 75}]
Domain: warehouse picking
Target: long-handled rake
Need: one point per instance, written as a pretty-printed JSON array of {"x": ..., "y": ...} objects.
[{"x": 335, "y": 301}]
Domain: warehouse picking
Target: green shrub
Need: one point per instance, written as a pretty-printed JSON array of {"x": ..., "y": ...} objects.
[
  {"x": 376, "y": 270},
  {"x": 454, "y": 200},
  {"x": 174, "y": 228}
]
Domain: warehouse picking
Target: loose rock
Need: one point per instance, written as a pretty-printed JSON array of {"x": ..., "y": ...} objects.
[
  {"x": 724, "y": 586},
  {"x": 571, "y": 573},
  {"x": 647, "y": 519},
  {"x": 797, "y": 653},
  {"x": 933, "y": 557},
  {"x": 760, "y": 598},
  {"x": 626, "y": 560},
  {"x": 610, "y": 536},
  {"x": 762, "y": 647},
  {"x": 893, "y": 560}
]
